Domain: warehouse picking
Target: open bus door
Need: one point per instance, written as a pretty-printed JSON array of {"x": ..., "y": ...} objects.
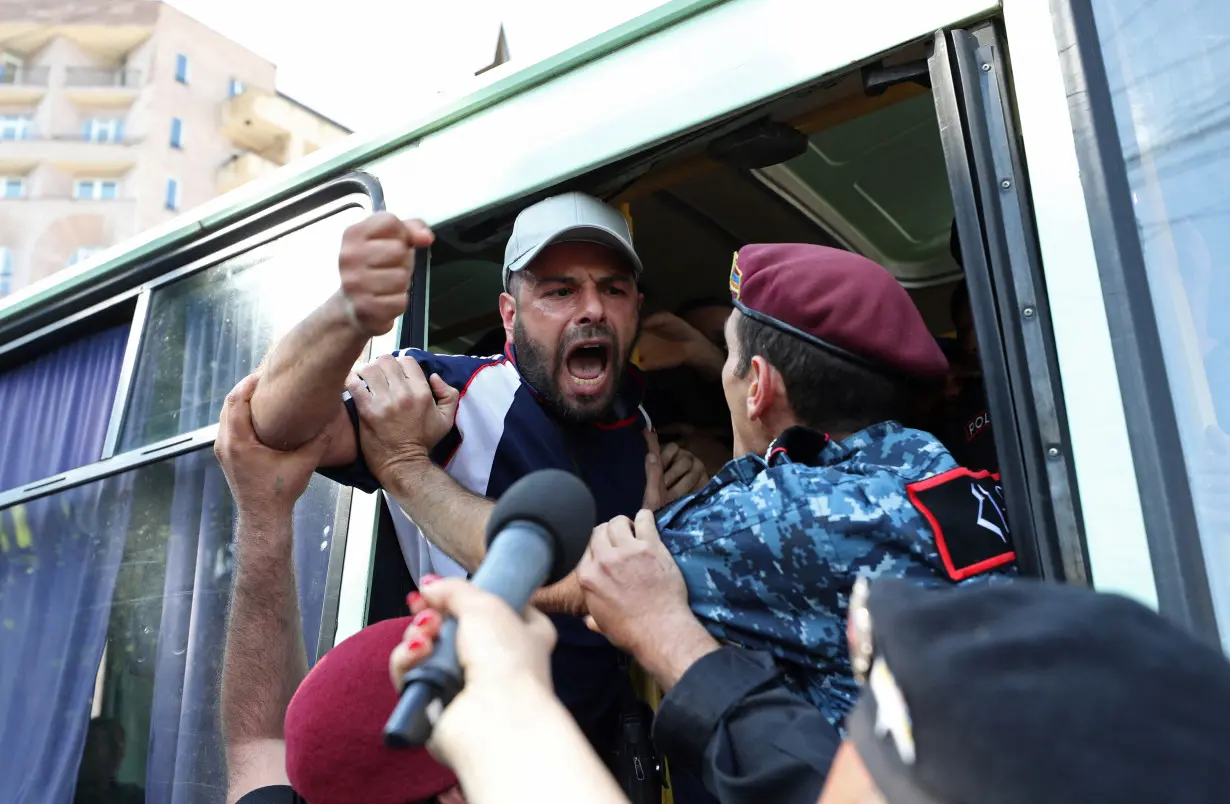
[{"x": 969, "y": 81}]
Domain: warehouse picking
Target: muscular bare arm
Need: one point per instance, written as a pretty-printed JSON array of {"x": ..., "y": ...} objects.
[
  {"x": 299, "y": 393},
  {"x": 404, "y": 414},
  {"x": 264, "y": 658},
  {"x": 564, "y": 597},
  {"x": 302, "y": 378},
  {"x": 455, "y": 520},
  {"x": 450, "y": 516}
]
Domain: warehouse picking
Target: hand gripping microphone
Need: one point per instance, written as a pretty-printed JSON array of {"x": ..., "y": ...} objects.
[{"x": 537, "y": 533}]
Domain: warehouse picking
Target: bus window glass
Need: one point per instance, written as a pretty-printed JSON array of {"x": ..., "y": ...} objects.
[
  {"x": 209, "y": 329},
  {"x": 113, "y": 601},
  {"x": 1168, "y": 66},
  {"x": 57, "y": 406},
  {"x": 463, "y": 306}
]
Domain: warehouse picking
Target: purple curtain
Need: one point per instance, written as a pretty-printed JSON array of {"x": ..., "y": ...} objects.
[
  {"x": 59, "y": 556},
  {"x": 222, "y": 343},
  {"x": 56, "y": 407},
  {"x": 185, "y": 753}
]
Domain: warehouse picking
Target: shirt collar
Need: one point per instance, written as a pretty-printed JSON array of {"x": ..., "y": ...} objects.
[
  {"x": 810, "y": 447},
  {"x": 795, "y": 445}
]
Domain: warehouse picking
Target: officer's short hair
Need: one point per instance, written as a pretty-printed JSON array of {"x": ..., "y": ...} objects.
[{"x": 827, "y": 392}]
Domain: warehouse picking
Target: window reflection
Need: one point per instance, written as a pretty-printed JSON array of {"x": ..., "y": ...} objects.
[
  {"x": 208, "y": 330},
  {"x": 113, "y": 601},
  {"x": 463, "y": 308},
  {"x": 1168, "y": 66}
]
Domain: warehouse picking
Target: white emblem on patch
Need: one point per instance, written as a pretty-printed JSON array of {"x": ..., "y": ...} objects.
[{"x": 892, "y": 715}]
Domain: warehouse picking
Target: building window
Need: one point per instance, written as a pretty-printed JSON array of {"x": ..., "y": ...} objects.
[
  {"x": 84, "y": 253},
  {"x": 10, "y": 67},
  {"x": 181, "y": 68},
  {"x": 15, "y": 126},
  {"x": 177, "y": 133},
  {"x": 96, "y": 189},
  {"x": 6, "y": 270},
  {"x": 172, "y": 194},
  {"x": 103, "y": 129},
  {"x": 12, "y": 188},
  {"x": 236, "y": 87}
]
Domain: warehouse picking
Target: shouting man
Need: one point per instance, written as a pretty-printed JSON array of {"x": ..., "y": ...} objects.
[{"x": 444, "y": 435}]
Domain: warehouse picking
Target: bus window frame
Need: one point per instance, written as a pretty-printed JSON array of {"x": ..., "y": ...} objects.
[
  {"x": 1008, "y": 301},
  {"x": 119, "y": 408},
  {"x": 348, "y": 572},
  {"x": 63, "y": 331},
  {"x": 414, "y": 333},
  {"x": 1102, "y": 461}
]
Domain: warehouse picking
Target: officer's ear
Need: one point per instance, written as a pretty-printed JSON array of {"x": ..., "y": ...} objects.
[{"x": 764, "y": 389}]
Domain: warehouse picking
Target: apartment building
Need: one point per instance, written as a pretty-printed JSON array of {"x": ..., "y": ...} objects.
[{"x": 114, "y": 116}]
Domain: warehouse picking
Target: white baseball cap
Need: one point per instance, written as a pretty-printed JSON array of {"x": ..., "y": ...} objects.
[{"x": 568, "y": 218}]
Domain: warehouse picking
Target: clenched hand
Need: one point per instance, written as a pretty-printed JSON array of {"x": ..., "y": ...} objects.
[
  {"x": 402, "y": 414},
  {"x": 263, "y": 481},
  {"x": 377, "y": 267}
]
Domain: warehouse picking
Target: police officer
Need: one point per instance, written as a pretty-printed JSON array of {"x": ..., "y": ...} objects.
[
  {"x": 998, "y": 694},
  {"x": 825, "y": 350},
  {"x": 1030, "y": 692}
]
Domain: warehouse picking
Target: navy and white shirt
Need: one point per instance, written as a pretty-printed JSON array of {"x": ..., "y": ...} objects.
[{"x": 502, "y": 432}]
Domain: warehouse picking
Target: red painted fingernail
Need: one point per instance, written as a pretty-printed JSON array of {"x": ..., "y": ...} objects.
[
  {"x": 426, "y": 579},
  {"x": 416, "y": 643},
  {"x": 423, "y": 617},
  {"x": 412, "y": 599}
]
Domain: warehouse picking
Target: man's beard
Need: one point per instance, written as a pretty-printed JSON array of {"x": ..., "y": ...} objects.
[{"x": 535, "y": 365}]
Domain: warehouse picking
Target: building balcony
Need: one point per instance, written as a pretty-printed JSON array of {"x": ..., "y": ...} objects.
[
  {"x": 275, "y": 126},
  {"x": 103, "y": 86},
  {"x": 256, "y": 121},
  {"x": 71, "y": 153},
  {"x": 243, "y": 169},
  {"x": 23, "y": 85}
]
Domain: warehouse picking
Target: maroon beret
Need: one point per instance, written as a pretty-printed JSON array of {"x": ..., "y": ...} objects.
[
  {"x": 839, "y": 301},
  {"x": 335, "y": 748}
]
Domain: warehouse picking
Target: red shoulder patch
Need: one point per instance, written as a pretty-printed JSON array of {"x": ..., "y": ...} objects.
[{"x": 967, "y": 515}]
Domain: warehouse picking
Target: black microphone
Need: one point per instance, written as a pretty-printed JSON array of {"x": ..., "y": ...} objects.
[{"x": 537, "y": 533}]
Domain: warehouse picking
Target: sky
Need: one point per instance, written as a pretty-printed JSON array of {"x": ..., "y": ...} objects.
[{"x": 402, "y": 52}]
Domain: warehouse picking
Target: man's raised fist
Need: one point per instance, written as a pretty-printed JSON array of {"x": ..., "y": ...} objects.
[{"x": 377, "y": 266}]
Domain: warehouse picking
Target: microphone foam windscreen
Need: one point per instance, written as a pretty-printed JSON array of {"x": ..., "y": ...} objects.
[{"x": 557, "y": 501}]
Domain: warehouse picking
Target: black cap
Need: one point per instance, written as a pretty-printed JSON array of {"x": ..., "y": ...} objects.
[{"x": 1033, "y": 692}]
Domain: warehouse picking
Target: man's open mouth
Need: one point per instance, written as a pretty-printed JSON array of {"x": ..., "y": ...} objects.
[{"x": 587, "y": 362}]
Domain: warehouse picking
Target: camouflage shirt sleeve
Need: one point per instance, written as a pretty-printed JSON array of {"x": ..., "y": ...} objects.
[{"x": 769, "y": 550}]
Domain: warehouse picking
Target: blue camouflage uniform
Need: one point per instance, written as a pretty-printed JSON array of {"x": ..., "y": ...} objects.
[{"x": 770, "y": 550}]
